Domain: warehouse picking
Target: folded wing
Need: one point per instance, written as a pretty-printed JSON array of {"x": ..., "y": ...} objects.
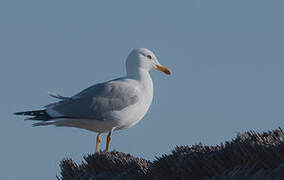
[{"x": 96, "y": 100}]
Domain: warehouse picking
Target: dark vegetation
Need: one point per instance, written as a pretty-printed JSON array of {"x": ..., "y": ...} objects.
[{"x": 252, "y": 156}]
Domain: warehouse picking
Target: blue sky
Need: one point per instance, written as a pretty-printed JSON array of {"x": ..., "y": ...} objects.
[{"x": 226, "y": 57}]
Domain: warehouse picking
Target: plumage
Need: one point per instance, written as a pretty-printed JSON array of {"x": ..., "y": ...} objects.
[{"x": 109, "y": 106}]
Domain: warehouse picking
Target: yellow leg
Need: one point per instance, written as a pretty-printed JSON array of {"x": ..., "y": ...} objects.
[
  {"x": 98, "y": 142},
  {"x": 108, "y": 141}
]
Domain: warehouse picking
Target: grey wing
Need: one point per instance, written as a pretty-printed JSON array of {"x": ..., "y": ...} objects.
[{"x": 96, "y": 100}]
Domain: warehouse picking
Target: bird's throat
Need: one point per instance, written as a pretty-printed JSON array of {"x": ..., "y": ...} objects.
[{"x": 145, "y": 81}]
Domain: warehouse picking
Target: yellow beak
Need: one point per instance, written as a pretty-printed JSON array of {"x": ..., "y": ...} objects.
[{"x": 163, "y": 69}]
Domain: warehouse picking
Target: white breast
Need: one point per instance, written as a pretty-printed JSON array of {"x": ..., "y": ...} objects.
[{"x": 131, "y": 115}]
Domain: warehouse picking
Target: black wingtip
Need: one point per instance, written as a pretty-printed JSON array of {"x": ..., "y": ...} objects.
[
  {"x": 41, "y": 115},
  {"x": 18, "y": 113}
]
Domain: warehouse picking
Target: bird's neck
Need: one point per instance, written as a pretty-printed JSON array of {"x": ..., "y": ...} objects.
[
  {"x": 145, "y": 80},
  {"x": 139, "y": 74}
]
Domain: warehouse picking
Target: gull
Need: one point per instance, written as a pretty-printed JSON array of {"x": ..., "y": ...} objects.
[{"x": 106, "y": 107}]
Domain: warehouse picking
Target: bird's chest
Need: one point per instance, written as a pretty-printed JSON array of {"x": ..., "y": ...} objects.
[{"x": 131, "y": 115}]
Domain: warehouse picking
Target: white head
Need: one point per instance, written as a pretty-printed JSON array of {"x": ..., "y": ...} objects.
[{"x": 145, "y": 59}]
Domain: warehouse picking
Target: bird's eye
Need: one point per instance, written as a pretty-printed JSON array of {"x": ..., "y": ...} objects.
[{"x": 149, "y": 56}]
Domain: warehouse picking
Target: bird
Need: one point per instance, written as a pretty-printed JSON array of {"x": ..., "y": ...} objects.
[{"x": 106, "y": 107}]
